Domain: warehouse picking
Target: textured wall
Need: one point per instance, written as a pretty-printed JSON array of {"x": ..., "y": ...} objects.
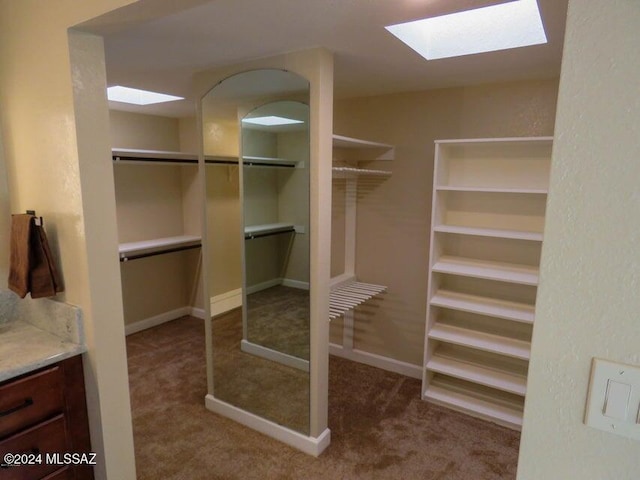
[
  {"x": 57, "y": 158},
  {"x": 394, "y": 215},
  {"x": 588, "y": 303}
]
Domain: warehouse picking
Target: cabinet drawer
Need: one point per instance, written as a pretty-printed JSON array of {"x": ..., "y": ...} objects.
[
  {"x": 28, "y": 400},
  {"x": 46, "y": 437}
]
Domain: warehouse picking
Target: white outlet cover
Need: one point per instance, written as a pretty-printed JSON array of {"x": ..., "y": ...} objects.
[{"x": 601, "y": 372}]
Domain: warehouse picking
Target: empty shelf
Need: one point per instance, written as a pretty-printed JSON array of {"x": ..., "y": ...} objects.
[
  {"x": 341, "y": 141},
  {"x": 344, "y": 172},
  {"x": 489, "y": 232},
  {"x": 133, "y": 156},
  {"x": 504, "y": 272},
  {"x": 157, "y": 246},
  {"x": 530, "y": 191},
  {"x": 501, "y": 414},
  {"x": 348, "y": 295},
  {"x": 491, "y": 307},
  {"x": 256, "y": 231},
  {"x": 500, "y": 380},
  {"x": 481, "y": 341}
]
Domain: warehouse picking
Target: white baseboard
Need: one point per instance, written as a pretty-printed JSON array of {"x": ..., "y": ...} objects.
[
  {"x": 287, "y": 282},
  {"x": 156, "y": 320},
  {"x": 264, "y": 285},
  {"x": 378, "y": 361},
  {"x": 197, "y": 312},
  {"x": 309, "y": 445},
  {"x": 226, "y": 301},
  {"x": 274, "y": 355}
]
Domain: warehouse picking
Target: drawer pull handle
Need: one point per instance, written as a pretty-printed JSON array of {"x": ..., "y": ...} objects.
[{"x": 27, "y": 403}]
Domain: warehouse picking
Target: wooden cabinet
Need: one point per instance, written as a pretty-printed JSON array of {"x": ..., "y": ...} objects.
[
  {"x": 489, "y": 199},
  {"x": 45, "y": 412}
]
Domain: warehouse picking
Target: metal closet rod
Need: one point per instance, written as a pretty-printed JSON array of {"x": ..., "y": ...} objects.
[{"x": 126, "y": 258}]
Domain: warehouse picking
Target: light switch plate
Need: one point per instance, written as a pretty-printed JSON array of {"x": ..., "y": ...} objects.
[{"x": 614, "y": 398}]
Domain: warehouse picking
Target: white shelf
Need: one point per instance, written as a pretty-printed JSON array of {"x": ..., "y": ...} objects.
[
  {"x": 486, "y": 342},
  {"x": 365, "y": 150},
  {"x": 500, "y": 380},
  {"x": 347, "y": 295},
  {"x": 488, "y": 141},
  {"x": 489, "y": 232},
  {"x": 517, "y": 312},
  {"x": 252, "y": 231},
  {"x": 529, "y": 191},
  {"x": 504, "y": 415},
  {"x": 341, "y": 141},
  {"x": 268, "y": 161},
  {"x": 346, "y": 172},
  {"x": 144, "y": 248},
  {"x": 503, "y": 272}
]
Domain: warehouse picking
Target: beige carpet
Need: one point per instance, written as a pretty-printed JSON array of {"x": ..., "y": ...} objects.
[{"x": 380, "y": 427}]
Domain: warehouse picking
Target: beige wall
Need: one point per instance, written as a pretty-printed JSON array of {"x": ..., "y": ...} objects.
[
  {"x": 146, "y": 132},
  {"x": 54, "y": 124},
  {"x": 394, "y": 214},
  {"x": 588, "y": 299},
  {"x": 5, "y": 220}
]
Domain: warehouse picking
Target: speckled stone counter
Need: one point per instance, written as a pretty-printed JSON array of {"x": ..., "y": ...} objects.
[{"x": 36, "y": 333}]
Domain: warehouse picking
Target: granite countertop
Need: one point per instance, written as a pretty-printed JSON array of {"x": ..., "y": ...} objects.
[{"x": 37, "y": 333}]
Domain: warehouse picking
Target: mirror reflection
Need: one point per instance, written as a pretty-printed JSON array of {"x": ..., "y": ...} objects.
[{"x": 256, "y": 146}]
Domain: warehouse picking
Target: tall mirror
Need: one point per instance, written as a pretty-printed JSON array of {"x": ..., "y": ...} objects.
[{"x": 255, "y": 128}]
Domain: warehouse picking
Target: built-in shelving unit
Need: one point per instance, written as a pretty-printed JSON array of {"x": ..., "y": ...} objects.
[
  {"x": 348, "y": 291},
  {"x": 158, "y": 205},
  {"x": 348, "y": 152},
  {"x": 489, "y": 199}
]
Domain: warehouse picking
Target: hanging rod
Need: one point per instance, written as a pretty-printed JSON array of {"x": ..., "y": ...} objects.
[
  {"x": 266, "y": 164},
  {"x": 126, "y": 258}
]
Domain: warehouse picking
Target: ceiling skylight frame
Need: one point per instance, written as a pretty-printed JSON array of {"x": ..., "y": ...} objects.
[
  {"x": 136, "y": 96},
  {"x": 498, "y": 27}
]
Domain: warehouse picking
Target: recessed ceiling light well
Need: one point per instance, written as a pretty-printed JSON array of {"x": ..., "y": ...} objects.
[
  {"x": 488, "y": 29},
  {"x": 271, "y": 120},
  {"x": 138, "y": 97}
]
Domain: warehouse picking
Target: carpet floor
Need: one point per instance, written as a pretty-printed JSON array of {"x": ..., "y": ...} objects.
[{"x": 380, "y": 428}]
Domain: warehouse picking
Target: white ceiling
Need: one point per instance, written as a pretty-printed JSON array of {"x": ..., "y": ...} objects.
[{"x": 159, "y": 44}]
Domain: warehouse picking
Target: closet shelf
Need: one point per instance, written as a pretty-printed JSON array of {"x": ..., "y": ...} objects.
[
  {"x": 268, "y": 162},
  {"x": 364, "y": 150},
  {"x": 487, "y": 342},
  {"x": 500, "y": 380},
  {"x": 346, "y": 172},
  {"x": 509, "y": 416},
  {"x": 157, "y": 246},
  {"x": 453, "y": 188},
  {"x": 499, "y": 271},
  {"x": 348, "y": 295},
  {"x": 489, "y": 232},
  {"x": 267, "y": 229},
  {"x": 491, "y": 307},
  {"x": 142, "y": 157}
]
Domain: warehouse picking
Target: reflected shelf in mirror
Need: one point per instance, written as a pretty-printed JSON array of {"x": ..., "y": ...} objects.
[{"x": 267, "y": 229}]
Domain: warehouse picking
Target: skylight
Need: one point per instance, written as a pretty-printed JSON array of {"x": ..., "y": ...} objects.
[
  {"x": 138, "y": 97},
  {"x": 488, "y": 29},
  {"x": 271, "y": 120}
]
